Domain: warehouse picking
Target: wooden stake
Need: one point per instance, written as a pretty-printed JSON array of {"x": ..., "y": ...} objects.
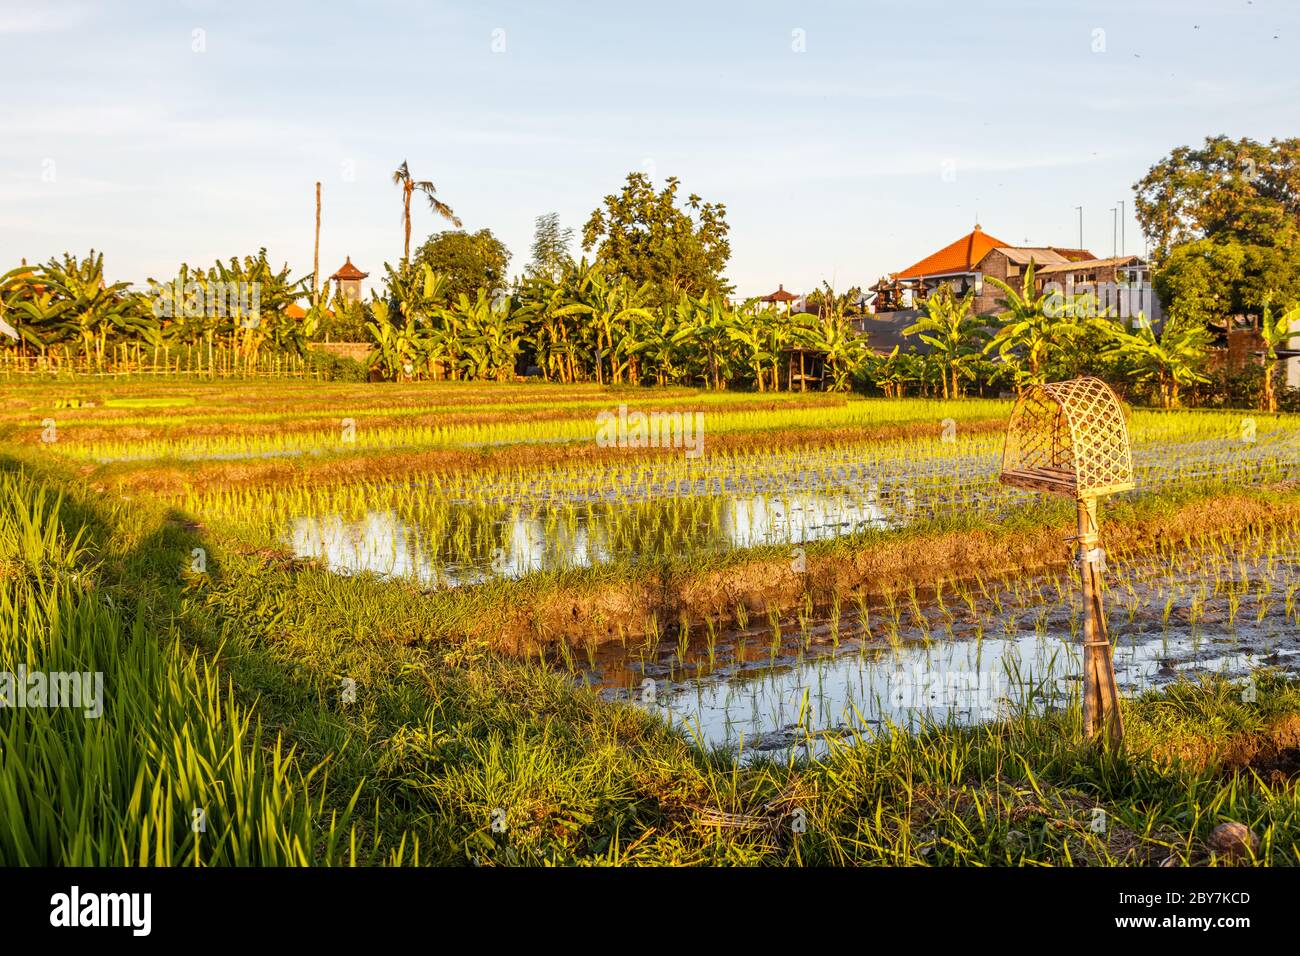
[{"x": 1101, "y": 716}]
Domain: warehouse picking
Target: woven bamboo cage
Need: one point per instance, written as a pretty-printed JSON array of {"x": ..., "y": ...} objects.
[{"x": 1068, "y": 438}]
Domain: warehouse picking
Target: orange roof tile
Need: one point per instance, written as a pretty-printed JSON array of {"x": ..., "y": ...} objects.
[
  {"x": 294, "y": 311},
  {"x": 349, "y": 271},
  {"x": 780, "y": 295},
  {"x": 959, "y": 256}
]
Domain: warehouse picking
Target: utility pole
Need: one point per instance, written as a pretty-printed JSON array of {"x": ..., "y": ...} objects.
[
  {"x": 315, "y": 259},
  {"x": 1121, "y": 227},
  {"x": 1080, "y": 208}
]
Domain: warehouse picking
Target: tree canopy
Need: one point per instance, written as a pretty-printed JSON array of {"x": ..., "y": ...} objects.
[
  {"x": 469, "y": 261},
  {"x": 643, "y": 235},
  {"x": 1227, "y": 190}
]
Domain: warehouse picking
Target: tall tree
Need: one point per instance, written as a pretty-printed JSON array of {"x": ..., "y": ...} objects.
[
  {"x": 643, "y": 235},
  {"x": 409, "y": 186},
  {"x": 550, "y": 251},
  {"x": 1226, "y": 190}
]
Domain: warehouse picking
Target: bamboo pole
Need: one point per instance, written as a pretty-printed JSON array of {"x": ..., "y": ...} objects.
[
  {"x": 1101, "y": 714},
  {"x": 315, "y": 260}
]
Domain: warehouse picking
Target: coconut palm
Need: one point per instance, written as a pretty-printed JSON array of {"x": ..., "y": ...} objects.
[{"x": 409, "y": 186}]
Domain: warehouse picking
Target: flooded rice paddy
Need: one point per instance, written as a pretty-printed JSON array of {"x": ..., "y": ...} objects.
[
  {"x": 467, "y": 530},
  {"x": 776, "y": 684},
  {"x": 966, "y": 653}
]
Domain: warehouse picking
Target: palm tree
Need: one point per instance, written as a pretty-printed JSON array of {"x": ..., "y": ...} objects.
[
  {"x": 402, "y": 178},
  {"x": 948, "y": 328},
  {"x": 1276, "y": 330}
]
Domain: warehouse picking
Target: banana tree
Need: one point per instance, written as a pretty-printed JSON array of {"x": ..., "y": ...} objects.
[
  {"x": 1169, "y": 362},
  {"x": 749, "y": 333},
  {"x": 490, "y": 341},
  {"x": 1034, "y": 326},
  {"x": 951, "y": 331},
  {"x": 833, "y": 334},
  {"x": 85, "y": 307},
  {"x": 548, "y": 311},
  {"x": 612, "y": 307},
  {"x": 1276, "y": 329},
  {"x": 397, "y": 347}
]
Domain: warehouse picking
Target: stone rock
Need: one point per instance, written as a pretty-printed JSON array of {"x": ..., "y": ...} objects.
[{"x": 1233, "y": 841}]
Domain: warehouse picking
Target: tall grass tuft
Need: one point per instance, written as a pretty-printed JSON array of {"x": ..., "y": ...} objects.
[{"x": 173, "y": 770}]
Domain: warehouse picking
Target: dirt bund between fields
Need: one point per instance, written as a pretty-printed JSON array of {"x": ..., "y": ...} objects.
[{"x": 631, "y": 609}]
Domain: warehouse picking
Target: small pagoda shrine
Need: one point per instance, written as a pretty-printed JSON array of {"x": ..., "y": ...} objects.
[{"x": 349, "y": 279}]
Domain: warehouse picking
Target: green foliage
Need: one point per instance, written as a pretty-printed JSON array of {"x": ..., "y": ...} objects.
[
  {"x": 69, "y": 301},
  {"x": 1039, "y": 330},
  {"x": 468, "y": 261},
  {"x": 550, "y": 251},
  {"x": 1277, "y": 328},
  {"x": 644, "y": 236},
  {"x": 1210, "y": 281},
  {"x": 342, "y": 321},
  {"x": 1168, "y": 363},
  {"x": 242, "y": 303},
  {"x": 170, "y": 742},
  {"x": 953, "y": 333},
  {"x": 1241, "y": 192},
  {"x": 337, "y": 368},
  {"x": 417, "y": 334}
]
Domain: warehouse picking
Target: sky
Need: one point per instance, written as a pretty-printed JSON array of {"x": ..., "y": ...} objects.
[{"x": 847, "y": 140}]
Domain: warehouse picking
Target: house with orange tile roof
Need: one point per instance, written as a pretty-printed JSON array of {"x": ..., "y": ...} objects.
[{"x": 963, "y": 266}]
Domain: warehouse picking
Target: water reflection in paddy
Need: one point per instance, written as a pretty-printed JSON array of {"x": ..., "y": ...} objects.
[{"x": 519, "y": 542}]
